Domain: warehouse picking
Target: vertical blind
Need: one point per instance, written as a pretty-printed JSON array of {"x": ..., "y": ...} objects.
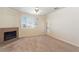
[{"x": 28, "y": 22}]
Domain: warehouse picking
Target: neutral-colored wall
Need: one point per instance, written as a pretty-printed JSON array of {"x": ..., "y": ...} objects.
[
  {"x": 11, "y": 18},
  {"x": 8, "y": 18},
  {"x": 63, "y": 24}
]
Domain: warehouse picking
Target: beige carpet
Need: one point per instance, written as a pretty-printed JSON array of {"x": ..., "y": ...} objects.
[{"x": 42, "y": 43}]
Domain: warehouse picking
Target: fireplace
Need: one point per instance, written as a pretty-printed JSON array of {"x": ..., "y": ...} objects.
[{"x": 9, "y": 35}]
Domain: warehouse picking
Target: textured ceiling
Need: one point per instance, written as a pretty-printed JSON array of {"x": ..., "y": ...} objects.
[{"x": 31, "y": 10}]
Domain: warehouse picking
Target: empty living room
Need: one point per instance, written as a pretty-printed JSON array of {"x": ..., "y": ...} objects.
[{"x": 39, "y": 29}]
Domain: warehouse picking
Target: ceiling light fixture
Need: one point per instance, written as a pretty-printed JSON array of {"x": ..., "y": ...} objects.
[{"x": 36, "y": 10}]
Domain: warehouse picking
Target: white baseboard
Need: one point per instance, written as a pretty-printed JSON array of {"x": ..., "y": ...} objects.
[{"x": 59, "y": 38}]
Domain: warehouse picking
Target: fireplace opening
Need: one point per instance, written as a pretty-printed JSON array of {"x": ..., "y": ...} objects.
[{"x": 9, "y": 35}]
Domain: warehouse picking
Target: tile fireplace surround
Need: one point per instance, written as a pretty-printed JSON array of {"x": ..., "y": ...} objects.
[{"x": 2, "y": 30}]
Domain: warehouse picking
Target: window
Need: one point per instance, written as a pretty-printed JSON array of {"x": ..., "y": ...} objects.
[{"x": 28, "y": 22}]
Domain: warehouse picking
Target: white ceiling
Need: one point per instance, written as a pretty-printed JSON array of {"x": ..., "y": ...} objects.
[{"x": 30, "y": 10}]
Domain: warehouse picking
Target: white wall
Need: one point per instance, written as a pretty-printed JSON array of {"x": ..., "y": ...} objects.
[
  {"x": 64, "y": 25},
  {"x": 8, "y": 18}
]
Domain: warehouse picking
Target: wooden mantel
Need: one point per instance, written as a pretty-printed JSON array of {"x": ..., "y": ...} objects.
[{"x": 2, "y": 30}]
